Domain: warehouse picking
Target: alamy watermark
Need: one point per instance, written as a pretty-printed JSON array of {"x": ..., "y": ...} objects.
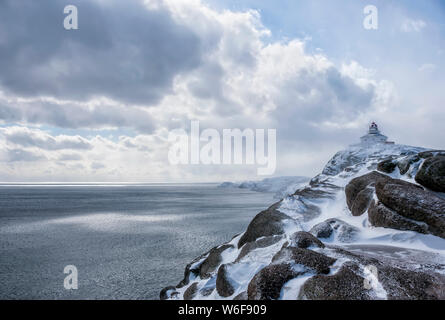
[
  {"x": 371, "y": 21},
  {"x": 232, "y": 147},
  {"x": 70, "y": 281},
  {"x": 71, "y": 21}
]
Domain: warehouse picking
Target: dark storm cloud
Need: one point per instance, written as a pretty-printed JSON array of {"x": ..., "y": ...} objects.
[
  {"x": 9, "y": 114},
  {"x": 121, "y": 50},
  {"x": 75, "y": 115}
]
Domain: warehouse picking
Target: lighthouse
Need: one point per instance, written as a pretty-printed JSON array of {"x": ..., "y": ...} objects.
[{"x": 374, "y": 136}]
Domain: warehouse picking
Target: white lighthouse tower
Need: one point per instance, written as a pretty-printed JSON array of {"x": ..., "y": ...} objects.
[{"x": 374, "y": 136}]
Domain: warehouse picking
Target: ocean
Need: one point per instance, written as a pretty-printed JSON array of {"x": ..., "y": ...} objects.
[{"x": 126, "y": 241}]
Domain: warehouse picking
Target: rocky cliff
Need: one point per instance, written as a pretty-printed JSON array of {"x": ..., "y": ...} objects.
[{"x": 370, "y": 226}]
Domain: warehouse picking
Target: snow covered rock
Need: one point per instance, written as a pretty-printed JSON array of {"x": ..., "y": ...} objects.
[
  {"x": 337, "y": 228},
  {"x": 168, "y": 292},
  {"x": 378, "y": 272},
  {"x": 266, "y": 223},
  {"x": 406, "y": 162},
  {"x": 346, "y": 284},
  {"x": 388, "y": 165},
  {"x": 267, "y": 284},
  {"x": 259, "y": 243},
  {"x": 359, "y": 192},
  {"x": 191, "y": 291},
  {"x": 381, "y": 216},
  {"x": 223, "y": 283},
  {"x": 381, "y": 236},
  {"x": 432, "y": 173},
  {"x": 213, "y": 260},
  {"x": 303, "y": 239},
  {"x": 308, "y": 259},
  {"x": 411, "y": 202}
]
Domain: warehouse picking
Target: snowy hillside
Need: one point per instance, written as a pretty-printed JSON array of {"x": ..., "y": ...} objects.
[
  {"x": 364, "y": 237},
  {"x": 281, "y": 186}
]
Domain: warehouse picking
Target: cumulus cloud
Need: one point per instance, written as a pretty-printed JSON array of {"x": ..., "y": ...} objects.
[{"x": 144, "y": 68}]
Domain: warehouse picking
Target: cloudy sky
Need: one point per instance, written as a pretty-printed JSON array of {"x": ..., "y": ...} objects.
[{"x": 97, "y": 103}]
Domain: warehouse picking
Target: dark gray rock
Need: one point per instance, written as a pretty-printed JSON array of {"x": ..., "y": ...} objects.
[
  {"x": 192, "y": 268},
  {"x": 387, "y": 166},
  {"x": 191, "y": 291},
  {"x": 411, "y": 202},
  {"x": 431, "y": 153},
  {"x": 223, "y": 284},
  {"x": 405, "y": 163},
  {"x": 432, "y": 173},
  {"x": 260, "y": 243},
  {"x": 359, "y": 192},
  {"x": 411, "y": 285},
  {"x": 208, "y": 287},
  {"x": 242, "y": 296},
  {"x": 267, "y": 283},
  {"x": 213, "y": 260},
  {"x": 362, "y": 201},
  {"x": 266, "y": 223},
  {"x": 343, "y": 231},
  {"x": 206, "y": 291},
  {"x": 404, "y": 274},
  {"x": 314, "y": 192},
  {"x": 168, "y": 292},
  {"x": 346, "y": 284},
  {"x": 310, "y": 259},
  {"x": 302, "y": 239},
  {"x": 381, "y": 216}
]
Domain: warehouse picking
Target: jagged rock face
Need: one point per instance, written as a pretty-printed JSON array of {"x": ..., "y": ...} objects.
[
  {"x": 287, "y": 264},
  {"x": 405, "y": 163},
  {"x": 242, "y": 296},
  {"x": 351, "y": 282},
  {"x": 260, "y": 243},
  {"x": 223, "y": 284},
  {"x": 381, "y": 216},
  {"x": 387, "y": 166},
  {"x": 411, "y": 202},
  {"x": 266, "y": 223},
  {"x": 302, "y": 239},
  {"x": 212, "y": 261},
  {"x": 346, "y": 284},
  {"x": 403, "y": 274},
  {"x": 191, "y": 291},
  {"x": 311, "y": 260},
  {"x": 359, "y": 192},
  {"x": 267, "y": 284},
  {"x": 343, "y": 231},
  {"x": 191, "y": 268},
  {"x": 432, "y": 173},
  {"x": 167, "y": 293},
  {"x": 431, "y": 153}
]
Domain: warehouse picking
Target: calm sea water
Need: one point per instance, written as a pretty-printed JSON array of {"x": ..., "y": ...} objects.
[{"x": 127, "y": 242}]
